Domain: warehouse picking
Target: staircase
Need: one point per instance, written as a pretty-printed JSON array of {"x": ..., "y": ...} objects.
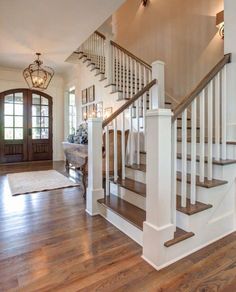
[{"x": 175, "y": 190}]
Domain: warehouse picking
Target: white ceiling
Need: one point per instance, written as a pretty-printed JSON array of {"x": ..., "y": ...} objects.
[{"x": 54, "y": 28}]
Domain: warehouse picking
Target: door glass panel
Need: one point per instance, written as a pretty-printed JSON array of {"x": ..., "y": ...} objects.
[
  {"x": 44, "y": 100},
  {"x": 36, "y": 133},
  {"x": 18, "y": 133},
  {"x": 36, "y": 110},
  {"x": 44, "y": 122},
  {"x": 8, "y": 134},
  {"x": 44, "y": 111},
  {"x": 13, "y": 116},
  {"x": 40, "y": 119},
  {"x": 8, "y": 109},
  {"x": 36, "y": 122},
  {"x": 9, "y": 98},
  {"x": 44, "y": 134},
  {"x": 8, "y": 121},
  {"x": 35, "y": 99},
  {"x": 19, "y": 109},
  {"x": 19, "y": 97},
  {"x": 19, "y": 121}
]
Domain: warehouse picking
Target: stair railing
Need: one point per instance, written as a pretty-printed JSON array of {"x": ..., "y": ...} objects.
[
  {"x": 94, "y": 50},
  {"x": 205, "y": 103},
  {"x": 120, "y": 120},
  {"x": 129, "y": 73}
]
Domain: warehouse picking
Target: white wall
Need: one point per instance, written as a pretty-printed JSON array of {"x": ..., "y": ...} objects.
[
  {"x": 230, "y": 47},
  {"x": 82, "y": 78},
  {"x": 12, "y": 78}
]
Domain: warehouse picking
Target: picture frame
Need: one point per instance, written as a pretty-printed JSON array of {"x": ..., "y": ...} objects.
[
  {"x": 84, "y": 113},
  {"x": 84, "y": 96},
  {"x": 99, "y": 109},
  {"x": 92, "y": 110},
  {"x": 107, "y": 112},
  {"x": 91, "y": 93}
]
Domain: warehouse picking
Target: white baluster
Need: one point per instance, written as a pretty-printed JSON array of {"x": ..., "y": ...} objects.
[
  {"x": 123, "y": 143},
  {"x": 150, "y": 91},
  {"x": 173, "y": 170},
  {"x": 127, "y": 77},
  {"x": 107, "y": 162},
  {"x": 138, "y": 131},
  {"x": 193, "y": 151},
  {"x": 223, "y": 113},
  {"x": 115, "y": 150},
  {"x": 135, "y": 77},
  {"x": 202, "y": 135},
  {"x": 131, "y": 77},
  {"x": 123, "y": 78},
  {"x": 184, "y": 160},
  {"x": 120, "y": 73},
  {"x": 131, "y": 142},
  {"x": 113, "y": 64},
  {"x": 217, "y": 117},
  {"x": 144, "y": 105},
  {"x": 210, "y": 135}
]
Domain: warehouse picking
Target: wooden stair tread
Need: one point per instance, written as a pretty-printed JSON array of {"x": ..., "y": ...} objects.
[
  {"x": 132, "y": 185},
  {"x": 191, "y": 209},
  {"x": 206, "y": 184},
  {"x": 141, "y": 167},
  {"x": 179, "y": 236},
  {"x": 217, "y": 162},
  {"x": 131, "y": 213},
  {"x": 188, "y": 128}
]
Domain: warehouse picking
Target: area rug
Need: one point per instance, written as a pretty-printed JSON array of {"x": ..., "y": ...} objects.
[{"x": 37, "y": 181}]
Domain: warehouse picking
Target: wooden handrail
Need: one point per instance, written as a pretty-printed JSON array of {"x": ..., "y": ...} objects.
[
  {"x": 100, "y": 34},
  {"x": 131, "y": 55},
  {"x": 203, "y": 83},
  {"x": 128, "y": 103}
]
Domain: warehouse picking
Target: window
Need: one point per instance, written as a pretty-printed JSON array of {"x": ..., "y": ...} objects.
[
  {"x": 13, "y": 116},
  {"x": 40, "y": 117},
  {"x": 72, "y": 111}
]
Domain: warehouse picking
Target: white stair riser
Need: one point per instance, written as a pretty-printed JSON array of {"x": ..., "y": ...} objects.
[
  {"x": 129, "y": 196},
  {"x": 129, "y": 229},
  {"x": 217, "y": 169},
  {"x": 231, "y": 149},
  {"x": 136, "y": 175}
]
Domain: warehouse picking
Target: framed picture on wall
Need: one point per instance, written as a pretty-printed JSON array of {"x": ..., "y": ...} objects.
[
  {"x": 99, "y": 109},
  {"x": 92, "y": 110},
  {"x": 84, "y": 113},
  {"x": 84, "y": 96},
  {"x": 91, "y": 93},
  {"x": 107, "y": 112}
]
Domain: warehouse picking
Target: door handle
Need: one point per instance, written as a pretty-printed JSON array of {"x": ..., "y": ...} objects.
[{"x": 30, "y": 132}]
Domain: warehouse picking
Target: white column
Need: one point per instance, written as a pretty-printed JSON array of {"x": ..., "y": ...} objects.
[
  {"x": 158, "y": 227},
  {"x": 94, "y": 190},
  {"x": 158, "y": 90}
]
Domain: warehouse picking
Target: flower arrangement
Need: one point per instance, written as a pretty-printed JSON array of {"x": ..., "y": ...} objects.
[{"x": 81, "y": 135}]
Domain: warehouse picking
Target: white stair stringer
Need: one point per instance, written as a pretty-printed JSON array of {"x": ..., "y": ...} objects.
[
  {"x": 209, "y": 225},
  {"x": 127, "y": 195},
  {"x": 122, "y": 224}
]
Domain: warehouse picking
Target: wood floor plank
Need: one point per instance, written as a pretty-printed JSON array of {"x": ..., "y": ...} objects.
[{"x": 49, "y": 243}]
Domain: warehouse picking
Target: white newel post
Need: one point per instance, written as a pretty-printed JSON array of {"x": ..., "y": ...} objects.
[
  {"x": 158, "y": 227},
  {"x": 108, "y": 59},
  {"x": 94, "y": 190},
  {"x": 158, "y": 90}
]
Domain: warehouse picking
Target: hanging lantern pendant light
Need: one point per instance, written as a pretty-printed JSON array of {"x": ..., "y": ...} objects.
[{"x": 38, "y": 76}]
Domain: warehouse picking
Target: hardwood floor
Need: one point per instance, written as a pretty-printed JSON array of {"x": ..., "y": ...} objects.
[{"x": 49, "y": 243}]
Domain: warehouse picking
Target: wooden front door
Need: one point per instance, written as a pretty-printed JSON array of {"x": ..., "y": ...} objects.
[{"x": 25, "y": 126}]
